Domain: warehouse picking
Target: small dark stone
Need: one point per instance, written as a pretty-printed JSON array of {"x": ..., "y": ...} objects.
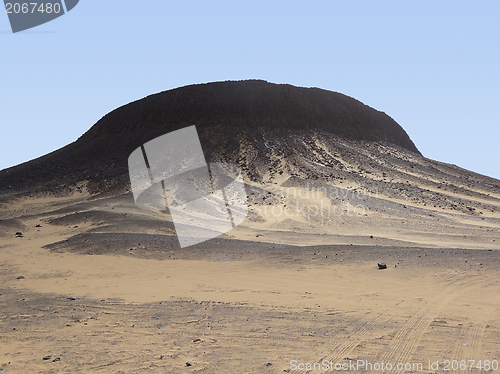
[
  {"x": 269, "y": 364},
  {"x": 47, "y": 357},
  {"x": 19, "y": 234},
  {"x": 371, "y": 236},
  {"x": 56, "y": 359},
  {"x": 20, "y": 277},
  {"x": 38, "y": 226},
  {"x": 189, "y": 363},
  {"x": 73, "y": 298},
  {"x": 382, "y": 265}
]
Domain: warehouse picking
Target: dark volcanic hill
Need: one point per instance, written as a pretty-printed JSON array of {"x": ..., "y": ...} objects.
[
  {"x": 251, "y": 106},
  {"x": 284, "y": 138},
  {"x": 226, "y": 114}
]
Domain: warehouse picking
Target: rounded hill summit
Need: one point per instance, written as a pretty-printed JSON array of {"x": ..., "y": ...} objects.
[{"x": 250, "y": 123}]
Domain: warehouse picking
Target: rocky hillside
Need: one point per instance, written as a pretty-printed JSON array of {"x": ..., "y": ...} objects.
[{"x": 239, "y": 122}]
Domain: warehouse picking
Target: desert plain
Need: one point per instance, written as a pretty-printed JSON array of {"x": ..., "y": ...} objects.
[{"x": 106, "y": 288}]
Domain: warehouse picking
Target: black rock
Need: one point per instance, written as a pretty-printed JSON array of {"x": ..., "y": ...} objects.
[
  {"x": 38, "y": 226},
  {"x": 269, "y": 364},
  {"x": 189, "y": 363},
  {"x": 73, "y": 298},
  {"x": 56, "y": 359},
  {"x": 47, "y": 357},
  {"x": 382, "y": 265},
  {"x": 19, "y": 234},
  {"x": 20, "y": 277}
]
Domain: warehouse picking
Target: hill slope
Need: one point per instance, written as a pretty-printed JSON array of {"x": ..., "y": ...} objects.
[{"x": 226, "y": 115}]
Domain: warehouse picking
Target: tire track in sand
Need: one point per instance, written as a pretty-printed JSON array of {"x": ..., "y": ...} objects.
[
  {"x": 469, "y": 346},
  {"x": 348, "y": 341},
  {"x": 405, "y": 340},
  {"x": 402, "y": 346}
]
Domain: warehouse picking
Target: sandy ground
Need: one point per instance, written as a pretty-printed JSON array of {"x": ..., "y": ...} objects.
[{"x": 106, "y": 289}]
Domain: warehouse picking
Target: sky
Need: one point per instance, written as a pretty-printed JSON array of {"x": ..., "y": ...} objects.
[{"x": 432, "y": 66}]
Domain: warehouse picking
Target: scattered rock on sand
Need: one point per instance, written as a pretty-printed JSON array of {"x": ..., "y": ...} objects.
[
  {"x": 20, "y": 277},
  {"x": 189, "y": 363},
  {"x": 47, "y": 357},
  {"x": 19, "y": 234},
  {"x": 382, "y": 265}
]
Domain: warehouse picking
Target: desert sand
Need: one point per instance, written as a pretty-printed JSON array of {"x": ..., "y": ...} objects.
[{"x": 106, "y": 289}]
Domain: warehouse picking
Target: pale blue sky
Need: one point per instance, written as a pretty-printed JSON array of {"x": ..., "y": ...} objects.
[{"x": 432, "y": 66}]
